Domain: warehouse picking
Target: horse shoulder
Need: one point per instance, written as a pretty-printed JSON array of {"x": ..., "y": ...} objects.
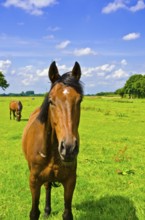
[{"x": 32, "y": 139}]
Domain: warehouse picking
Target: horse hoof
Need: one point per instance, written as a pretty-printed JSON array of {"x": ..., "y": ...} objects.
[
  {"x": 34, "y": 215},
  {"x": 67, "y": 216},
  {"x": 47, "y": 212}
]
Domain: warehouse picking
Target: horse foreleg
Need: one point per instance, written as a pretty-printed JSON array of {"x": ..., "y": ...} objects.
[
  {"x": 69, "y": 187},
  {"x": 10, "y": 114},
  {"x": 35, "y": 191},
  {"x": 47, "y": 209},
  {"x": 14, "y": 115}
]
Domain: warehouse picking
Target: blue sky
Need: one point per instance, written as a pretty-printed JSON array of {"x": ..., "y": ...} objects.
[{"x": 107, "y": 38}]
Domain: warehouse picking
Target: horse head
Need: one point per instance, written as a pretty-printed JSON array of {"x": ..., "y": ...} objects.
[
  {"x": 18, "y": 111},
  {"x": 64, "y": 99}
]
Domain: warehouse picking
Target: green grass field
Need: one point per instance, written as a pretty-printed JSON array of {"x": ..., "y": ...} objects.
[{"x": 111, "y": 162}]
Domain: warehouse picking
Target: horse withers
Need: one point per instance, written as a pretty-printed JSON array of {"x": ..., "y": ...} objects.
[
  {"x": 51, "y": 140},
  {"x": 16, "y": 109}
]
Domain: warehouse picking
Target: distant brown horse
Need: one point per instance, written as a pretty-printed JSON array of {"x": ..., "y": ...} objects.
[
  {"x": 51, "y": 140},
  {"x": 16, "y": 108}
]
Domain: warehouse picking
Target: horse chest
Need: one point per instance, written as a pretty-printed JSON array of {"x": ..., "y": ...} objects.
[
  {"x": 53, "y": 172},
  {"x": 56, "y": 172}
]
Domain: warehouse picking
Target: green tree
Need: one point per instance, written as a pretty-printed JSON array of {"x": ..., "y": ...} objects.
[
  {"x": 132, "y": 86},
  {"x": 3, "y": 82},
  {"x": 140, "y": 87},
  {"x": 29, "y": 93},
  {"x": 120, "y": 92}
]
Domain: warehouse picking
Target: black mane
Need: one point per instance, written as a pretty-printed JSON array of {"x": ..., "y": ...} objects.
[
  {"x": 43, "y": 115},
  {"x": 68, "y": 80}
]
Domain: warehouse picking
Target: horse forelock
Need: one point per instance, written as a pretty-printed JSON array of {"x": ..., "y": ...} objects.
[{"x": 69, "y": 80}]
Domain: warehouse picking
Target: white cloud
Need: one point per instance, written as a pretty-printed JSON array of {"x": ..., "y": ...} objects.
[
  {"x": 32, "y": 6},
  {"x": 53, "y": 29},
  {"x": 98, "y": 71},
  {"x": 88, "y": 72},
  {"x": 131, "y": 36},
  {"x": 139, "y": 6},
  {"x": 13, "y": 72},
  {"x": 63, "y": 68},
  {"x": 84, "y": 52},
  {"x": 27, "y": 80},
  {"x": 123, "y": 4},
  {"x": 63, "y": 44},
  {"x": 91, "y": 85},
  {"x": 48, "y": 37},
  {"x": 5, "y": 64},
  {"x": 124, "y": 62},
  {"x": 117, "y": 74},
  {"x": 41, "y": 3},
  {"x": 106, "y": 67},
  {"x": 113, "y": 6},
  {"x": 103, "y": 77},
  {"x": 43, "y": 72},
  {"x": 30, "y": 76},
  {"x": 120, "y": 74},
  {"x": 26, "y": 75},
  {"x": 26, "y": 70}
]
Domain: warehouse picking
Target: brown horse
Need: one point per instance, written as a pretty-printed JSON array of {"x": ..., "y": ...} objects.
[
  {"x": 51, "y": 140},
  {"x": 16, "y": 108}
]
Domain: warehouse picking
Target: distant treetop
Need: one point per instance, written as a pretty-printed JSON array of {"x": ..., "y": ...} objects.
[{"x": 3, "y": 82}]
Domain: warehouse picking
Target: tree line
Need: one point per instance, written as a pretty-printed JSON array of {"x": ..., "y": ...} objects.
[
  {"x": 4, "y": 85},
  {"x": 134, "y": 87}
]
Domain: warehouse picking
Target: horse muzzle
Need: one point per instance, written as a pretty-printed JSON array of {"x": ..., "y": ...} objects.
[{"x": 68, "y": 151}]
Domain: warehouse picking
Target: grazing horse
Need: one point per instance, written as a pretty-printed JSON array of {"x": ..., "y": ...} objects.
[
  {"x": 51, "y": 140},
  {"x": 16, "y": 108}
]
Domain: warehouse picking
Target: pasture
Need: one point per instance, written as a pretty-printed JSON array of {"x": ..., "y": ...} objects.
[{"x": 111, "y": 162}]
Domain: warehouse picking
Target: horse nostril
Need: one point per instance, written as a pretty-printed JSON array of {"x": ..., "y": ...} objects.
[
  {"x": 68, "y": 150},
  {"x": 62, "y": 149}
]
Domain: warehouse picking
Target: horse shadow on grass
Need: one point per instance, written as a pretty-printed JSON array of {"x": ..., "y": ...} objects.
[{"x": 108, "y": 208}]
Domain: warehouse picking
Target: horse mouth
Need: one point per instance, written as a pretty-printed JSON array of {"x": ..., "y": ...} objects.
[
  {"x": 68, "y": 159},
  {"x": 68, "y": 163}
]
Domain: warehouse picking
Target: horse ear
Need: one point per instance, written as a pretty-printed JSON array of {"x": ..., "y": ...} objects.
[
  {"x": 53, "y": 72},
  {"x": 76, "y": 71}
]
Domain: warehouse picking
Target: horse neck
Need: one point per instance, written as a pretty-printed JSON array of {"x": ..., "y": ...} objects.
[{"x": 19, "y": 106}]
